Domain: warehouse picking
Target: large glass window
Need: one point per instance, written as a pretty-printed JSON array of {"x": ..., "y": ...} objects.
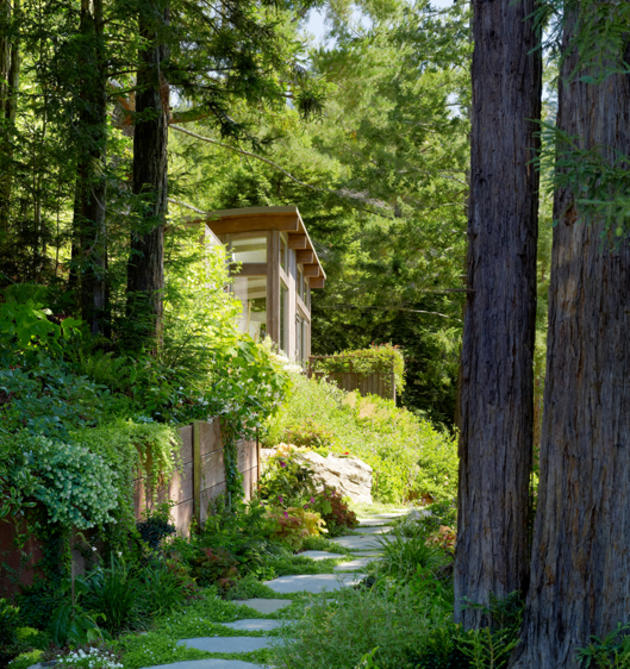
[
  {"x": 249, "y": 249},
  {"x": 284, "y": 318},
  {"x": 252, "y": 292},
  {"x": 300, "y": 339},
  {"x": 300, "y": 283}
]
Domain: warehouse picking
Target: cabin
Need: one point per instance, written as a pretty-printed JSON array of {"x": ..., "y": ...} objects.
[{"x": 275, "y": 268}]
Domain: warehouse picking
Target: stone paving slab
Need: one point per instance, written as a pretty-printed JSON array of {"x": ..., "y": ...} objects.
[
  {"x": 314, "y": 583},
  {"x": 229, "y": 644},
  {"x": 265, "y": 606},
  {"x": 208, "y": 664},
  {"x": 382, "y": 529},
  {"x": 374, "y": 522},
  {"x": 356, "y": 564},
  {"x": 256, "y": 624},
  {"x": 320, "y": 555},
  {"x": 359, "y": 542}
]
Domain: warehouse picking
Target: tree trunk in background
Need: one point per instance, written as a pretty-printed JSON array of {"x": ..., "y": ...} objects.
[
  {"x": 145, "y": 269},
  {"x": 9, "y": 81},
  {"x": 580, "y": 582},
  {"x": 89, "y": 233},
  {"x": 496, "y": 406}
]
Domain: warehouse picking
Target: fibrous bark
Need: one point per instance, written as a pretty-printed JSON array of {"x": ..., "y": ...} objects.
[
  {"x": 580, "y": 580},
  {"x": 496, "y": 413},
  {"x": 89, "y": 233},
  {"x": 145, "y": 270}
]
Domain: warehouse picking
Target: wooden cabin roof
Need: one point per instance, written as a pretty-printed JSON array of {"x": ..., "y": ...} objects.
[{"x": 262, "y": 219}]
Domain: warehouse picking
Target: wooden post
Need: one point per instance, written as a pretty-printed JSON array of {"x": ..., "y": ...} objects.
[{"x": 196, "y": 467}]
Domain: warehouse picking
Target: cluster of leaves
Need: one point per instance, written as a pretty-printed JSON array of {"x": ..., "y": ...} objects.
[
  {"x": 410, "y": 458},
  {"x": 289, "y": 484},
  {"x": 385, "y": 360}
]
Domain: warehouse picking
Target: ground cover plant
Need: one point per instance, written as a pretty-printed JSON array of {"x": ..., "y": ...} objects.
[{"x": 411, "y": 458}]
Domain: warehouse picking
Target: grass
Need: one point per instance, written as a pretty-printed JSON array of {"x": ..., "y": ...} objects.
[{"x": 338, "y": 633}]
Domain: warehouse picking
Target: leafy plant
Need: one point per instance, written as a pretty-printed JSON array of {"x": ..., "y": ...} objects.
[
  {"x": 334, "y": 511},
  {"x": 609, "y": 652},
  {"x": 113, "y": 592},
  {"x": 383, "y": 359},
  {"x": 410, "y": 458},
  {"x": 293, "y": 524},
  {"x": 285, "y": 481},
  {"x": 156, "y": 526}
]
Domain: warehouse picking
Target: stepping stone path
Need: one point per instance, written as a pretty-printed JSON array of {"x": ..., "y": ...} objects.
[{"x": 364, "y": 544}]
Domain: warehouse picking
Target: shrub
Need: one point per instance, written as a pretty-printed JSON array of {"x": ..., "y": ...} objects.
[
  {"x": 334, "y": 511},
  {"x": 339, "y": 633},
  {"x": 410, "y": 458},
  {"x": 285, "y": 481},
  {"x": 382, "y": 359},
  {"x": 293, "y": 524}
]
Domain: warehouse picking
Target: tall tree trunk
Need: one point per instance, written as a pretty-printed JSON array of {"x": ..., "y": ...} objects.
[
  {"x": 9, "y": 82},
  {"x": 580, "y": 582},
  {"x": 145, "y": 269},
  {"x": 496, "y": 414},
  {"x": 89, "y": 234}
]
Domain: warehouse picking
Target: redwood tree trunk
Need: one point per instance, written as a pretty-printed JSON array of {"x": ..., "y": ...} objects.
[
  {"x": 9, "y": 81},
  {"x": 580, "y": 582},
  {"x": 496, "y": 406},
  {"x": 145, "y": 269},
  {"x": 89, "y": 233}
]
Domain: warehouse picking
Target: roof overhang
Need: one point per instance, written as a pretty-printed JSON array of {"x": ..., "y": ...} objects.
[{"x": 263, "y": 219}]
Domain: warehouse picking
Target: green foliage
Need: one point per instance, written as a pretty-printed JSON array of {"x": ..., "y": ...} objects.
[
  {"x": 609, "y": 652},
  {"x": 334, "y": 510},
  {"x": 340, "y": 632},
  {"x": 156, "y": 526},
  {"x": 39, "y": 470},
  {"x": 294, "y": 524},
  {"x": 386, "y": 360},
  {"x": 403, "y": 556},
  {"x": 285, "y": 481},
  {"x": 411, "y": 459},
  {"x": 490, "y": 646}
]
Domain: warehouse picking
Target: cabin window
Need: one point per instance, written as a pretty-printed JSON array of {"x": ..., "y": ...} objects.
[
  {"x": 248, "y": 249},
  {"x": 252, "y": 293},
  {"x": 284, "y": 318},
  {"x": 300, "y": 283}
]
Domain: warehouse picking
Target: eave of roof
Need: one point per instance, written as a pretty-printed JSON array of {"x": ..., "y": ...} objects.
[{"x": 262, "y": 219}]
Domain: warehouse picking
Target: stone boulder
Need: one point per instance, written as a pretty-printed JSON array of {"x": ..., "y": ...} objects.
[{"x": 352, "y": 477}]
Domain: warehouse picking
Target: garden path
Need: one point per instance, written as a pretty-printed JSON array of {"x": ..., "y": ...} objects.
[{"x": 364, "y": 546}]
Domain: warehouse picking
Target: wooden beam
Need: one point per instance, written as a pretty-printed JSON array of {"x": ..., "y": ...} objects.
[
  {"x": 298, "y": 241},
  {"x": 253, "y": 223},
  {"x": 312, "y": 270},
  {"x": 249, "y": 269},
  {"x": 317, "y": 282},
  {"x": 305, "y": 257}
]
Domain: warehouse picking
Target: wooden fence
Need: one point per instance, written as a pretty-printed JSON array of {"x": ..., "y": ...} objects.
[{"x": 374, "y": 383}]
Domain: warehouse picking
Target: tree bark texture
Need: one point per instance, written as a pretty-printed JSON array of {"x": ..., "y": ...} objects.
[
  {"x": 9, "y": 81},
  {"x": 580, "y": 572},
  {"x": 496, "y": 383},
  {"x": 90, "y": 254},
  {"x": 145, "y": 270}
]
